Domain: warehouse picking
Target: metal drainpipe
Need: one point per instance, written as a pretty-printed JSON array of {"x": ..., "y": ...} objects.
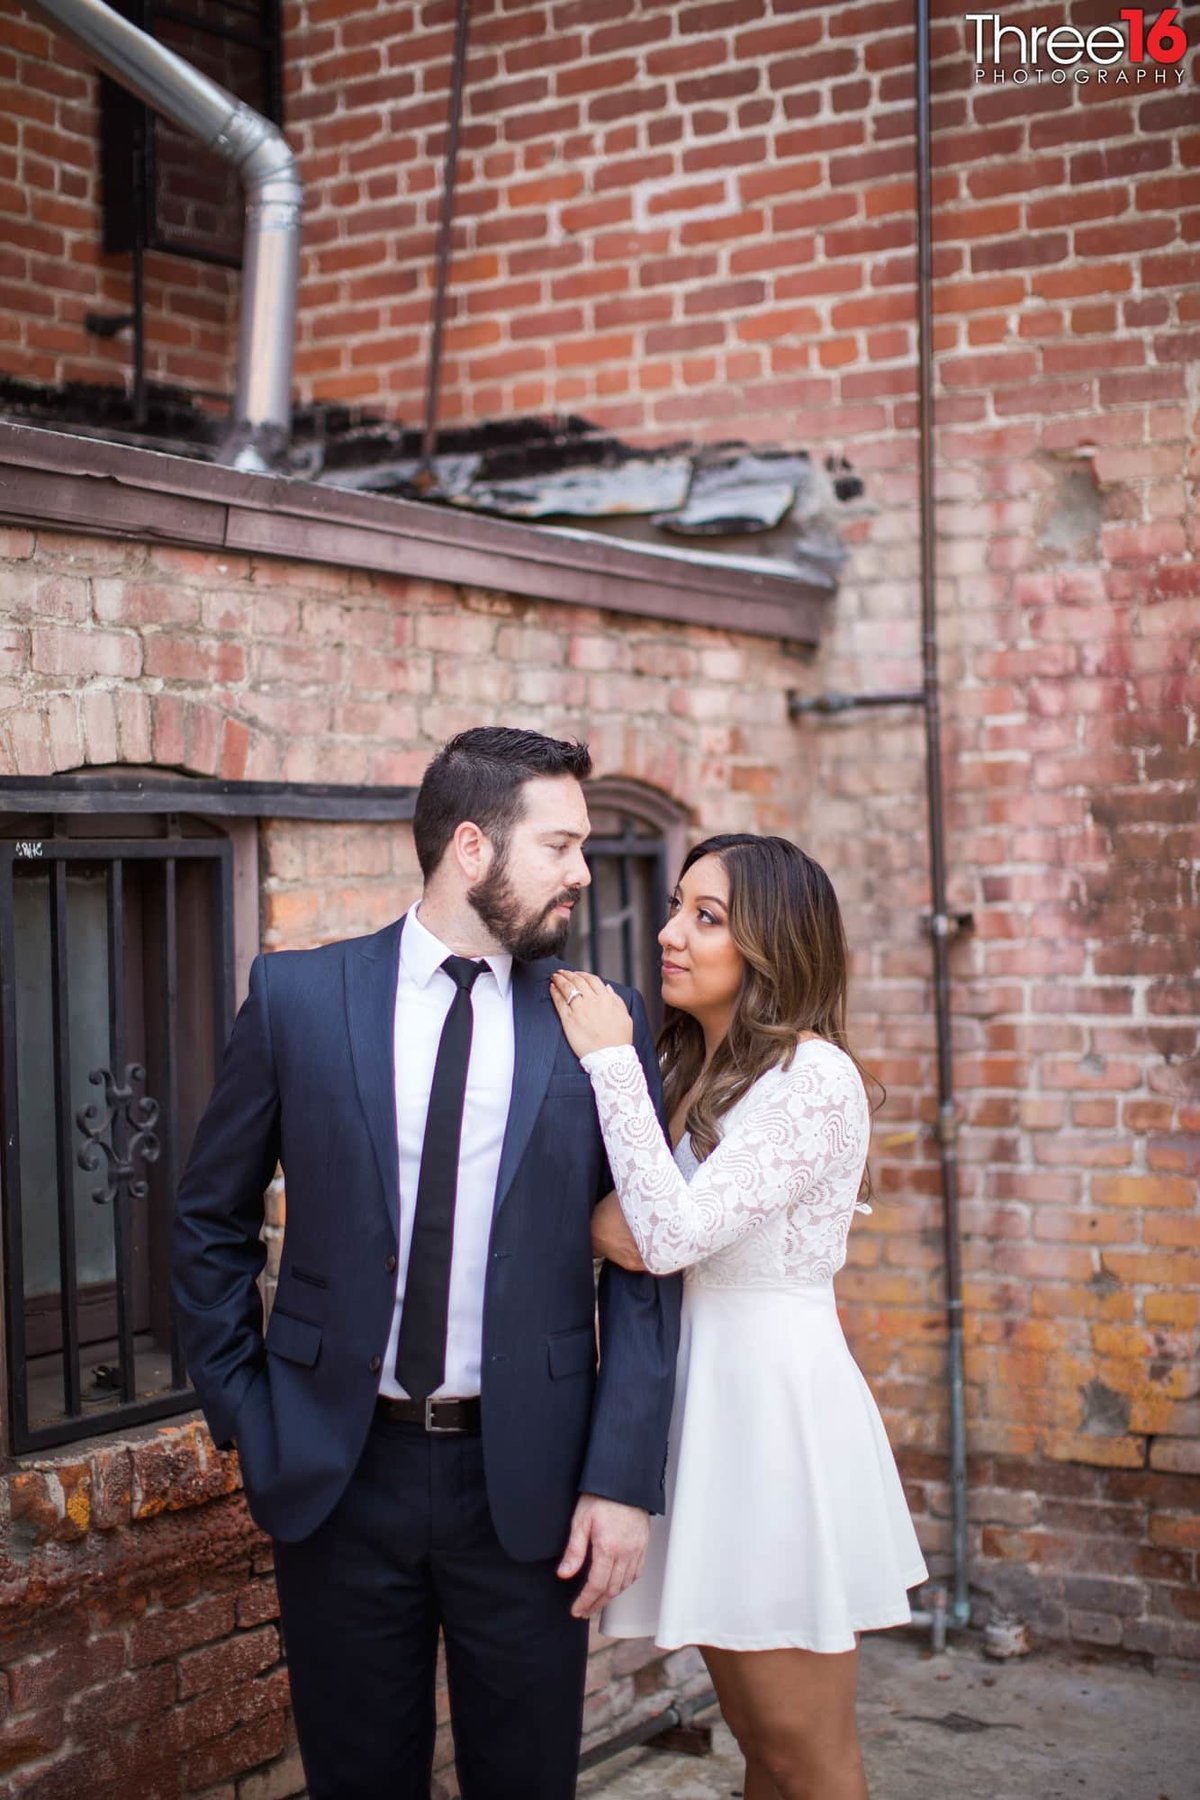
[
  {"x": 260, "y": 424},
  {"x": 954, "y": 1609},
  {"x": 427, "y": 474},
  {"x": 941, "y": 926}
]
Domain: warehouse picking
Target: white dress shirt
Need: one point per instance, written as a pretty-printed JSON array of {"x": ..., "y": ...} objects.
[{"x": 423, "y": 996}]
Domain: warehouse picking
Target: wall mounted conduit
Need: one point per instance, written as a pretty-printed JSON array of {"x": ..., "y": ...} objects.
[
  {"x": 262, "y": 407},
  {"x": 953, "y": 1609}
]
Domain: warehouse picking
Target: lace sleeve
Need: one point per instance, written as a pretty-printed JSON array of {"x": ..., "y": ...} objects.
[{"x": 786, "y": 1133}]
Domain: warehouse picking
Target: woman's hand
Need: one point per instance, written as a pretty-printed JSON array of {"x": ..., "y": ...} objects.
[
  {"x": 612, "y": 1238},
  {"x": 593, "y": 1017}
]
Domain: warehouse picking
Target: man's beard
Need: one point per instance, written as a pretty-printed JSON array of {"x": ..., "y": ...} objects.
[{"x": 523, "y": 934}]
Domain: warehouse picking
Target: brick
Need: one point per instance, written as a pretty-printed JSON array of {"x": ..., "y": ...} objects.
[
  {"x": 259, "y": 1602},
  {"x": 33, "y": 1735},
  {"x": 164, "y": 1634},
  {"x": 62, "y": 650},
  {"x": 238, "y": 1753},
  {"x": 1143, "y": 1191},
  {"x": 229, "y": 1663},
  {"x": 127, "y": 1700}
]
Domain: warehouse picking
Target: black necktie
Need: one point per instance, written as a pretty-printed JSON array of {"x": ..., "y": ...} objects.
[{"x": 421, "y": 1355}]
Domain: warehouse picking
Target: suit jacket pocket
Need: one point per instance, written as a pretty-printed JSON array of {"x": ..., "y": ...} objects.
[
  {"x": 569, "y": 1086},
  {"x": 296, "y": 1340},
  {"x": 572, "y": 1352}
]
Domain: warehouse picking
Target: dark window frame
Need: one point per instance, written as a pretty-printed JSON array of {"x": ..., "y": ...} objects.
[
  {"x": 132, "y": 165},
  {"x": 647, "y": 857},
  {"x": 124, "y": 1138},
  {"x": 124, "y": 816}
]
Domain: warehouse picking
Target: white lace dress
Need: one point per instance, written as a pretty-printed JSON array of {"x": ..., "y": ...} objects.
[{"x": 786, "y": 1524}]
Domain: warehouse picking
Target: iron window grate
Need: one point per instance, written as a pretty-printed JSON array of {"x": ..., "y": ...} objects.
[
  {"x": 616, "y": 928},
  {"x": 116, "y": 995}
]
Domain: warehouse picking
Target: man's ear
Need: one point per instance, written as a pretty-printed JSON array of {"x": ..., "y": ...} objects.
[{"x": 472, "y": 849}]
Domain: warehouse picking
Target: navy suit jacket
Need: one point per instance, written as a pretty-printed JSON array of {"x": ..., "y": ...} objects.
[{"x": 308, "y": 1081}]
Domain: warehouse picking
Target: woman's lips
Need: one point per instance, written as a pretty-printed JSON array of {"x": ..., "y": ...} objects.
[{"x": 673, "y": 969}]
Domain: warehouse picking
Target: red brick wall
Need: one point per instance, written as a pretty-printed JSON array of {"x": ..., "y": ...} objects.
[
  {"x": 746, "y": 267},
  {"x": 670, "y": 216},
  {"x": 137, "y": 1638},
  {"x": 250, "y": 668},
  {"x": 52, "y": 266}
]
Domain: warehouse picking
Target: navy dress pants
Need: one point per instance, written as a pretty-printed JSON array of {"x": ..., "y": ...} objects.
[{"x": 410, "y": 1548}]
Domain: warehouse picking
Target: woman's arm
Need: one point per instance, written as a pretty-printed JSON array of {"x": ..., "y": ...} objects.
[
  {"x": 789, "y": 1130},
  {"x": 793, "y": 1126}
]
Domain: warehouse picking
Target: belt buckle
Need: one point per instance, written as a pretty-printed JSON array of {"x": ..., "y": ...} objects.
[{"x": 436, "y": 1430}]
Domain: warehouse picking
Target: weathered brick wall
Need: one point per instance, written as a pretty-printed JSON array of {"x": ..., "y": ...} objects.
[
  {"x": 250, "y": 668},
  {"x": 53, "y": 268},
  {"x": 698, "y": 218},
  {"x": 137, "y": 1634}
]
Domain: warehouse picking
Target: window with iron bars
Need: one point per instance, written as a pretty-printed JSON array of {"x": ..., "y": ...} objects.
[
  {"x": 633, "y": 854},
  {"x": 120, "y": 934},
  {"x": 116, "y": 948}
]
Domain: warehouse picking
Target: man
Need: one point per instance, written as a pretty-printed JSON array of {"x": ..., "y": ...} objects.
[{"x": 422, "y": 1430}]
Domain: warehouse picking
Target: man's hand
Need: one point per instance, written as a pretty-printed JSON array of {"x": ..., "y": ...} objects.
[
  {"x": 617, "y": 1536},
  {"x": 612, "y": 1238}
]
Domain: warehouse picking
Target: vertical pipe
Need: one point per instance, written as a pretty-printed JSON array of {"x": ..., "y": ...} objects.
[
  {"x": 624, "y": 863},
  {"x": 116, "y": 1062},
  {"x": 940, "y": 923},
  {"x": 170, "y": 1067},
  {"x": 445, "y": 229},
  {"x": 64, "y": 1160},
  {"x": 223, "y": 959},
  {"x": 658, "y": 890},
  {"x": 10, "y": 1160},
  {"x": 591, "y": 895},
  {"x": 139, "y": 336}
]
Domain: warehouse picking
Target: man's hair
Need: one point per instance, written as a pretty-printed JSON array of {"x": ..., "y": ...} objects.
[{"x": 479, "y": 776}]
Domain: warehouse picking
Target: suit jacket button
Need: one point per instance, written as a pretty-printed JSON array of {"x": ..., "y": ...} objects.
[
  {"x": 390, "y": 1264},
  {"x": 376, "y": 1364}
]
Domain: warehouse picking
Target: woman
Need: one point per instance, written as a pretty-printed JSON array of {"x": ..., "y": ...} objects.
[{"x": 786, "y": 1531}]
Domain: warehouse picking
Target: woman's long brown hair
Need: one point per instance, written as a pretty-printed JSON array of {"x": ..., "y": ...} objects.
[{"x": 785, "y": 920}]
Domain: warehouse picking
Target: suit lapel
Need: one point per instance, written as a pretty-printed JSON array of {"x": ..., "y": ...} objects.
[
  {"x": 372, "y": 971},
  {"x": 536, "y": 1034}
]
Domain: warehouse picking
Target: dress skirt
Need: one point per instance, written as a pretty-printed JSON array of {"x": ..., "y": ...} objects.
[{"x": 786, "y": 1524}]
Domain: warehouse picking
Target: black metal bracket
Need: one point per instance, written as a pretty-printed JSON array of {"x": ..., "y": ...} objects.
[
  {"x": 948, "y": 925},
  {"x": 107, "y": 325},
  {"x": 801, "y": 706}
]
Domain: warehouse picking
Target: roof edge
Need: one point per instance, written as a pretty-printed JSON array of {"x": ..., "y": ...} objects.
[{"x": 75, "y": 483}]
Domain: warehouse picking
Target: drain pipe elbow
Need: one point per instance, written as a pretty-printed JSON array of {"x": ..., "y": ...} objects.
[
  {"x": 262, "y": 404},
  {"x": 261, "y": 423}
]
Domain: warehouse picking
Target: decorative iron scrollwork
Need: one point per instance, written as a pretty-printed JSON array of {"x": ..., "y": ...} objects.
[{"x": 96, "y": 1122}]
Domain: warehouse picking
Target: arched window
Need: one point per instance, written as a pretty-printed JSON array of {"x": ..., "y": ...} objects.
[{"x": 634, "y": 852}]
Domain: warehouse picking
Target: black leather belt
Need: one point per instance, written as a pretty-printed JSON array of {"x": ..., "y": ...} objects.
[{"x": 439, "y": 1416}]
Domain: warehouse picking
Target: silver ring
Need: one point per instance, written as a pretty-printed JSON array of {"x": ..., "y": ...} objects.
[{"x": 574, "y": 995}]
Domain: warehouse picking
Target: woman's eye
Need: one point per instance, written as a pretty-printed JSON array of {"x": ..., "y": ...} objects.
[
  {"x": 709, "y": 918},
  {"x": 672, "y": 908}
]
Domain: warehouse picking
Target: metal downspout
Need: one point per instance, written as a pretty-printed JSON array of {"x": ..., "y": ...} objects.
[
  {"x": 953, "y": 1609},
  {"x": 260, "y": 424},
  {"x": 941, "y": 926},
  {"x": 427, "y": 475}
]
